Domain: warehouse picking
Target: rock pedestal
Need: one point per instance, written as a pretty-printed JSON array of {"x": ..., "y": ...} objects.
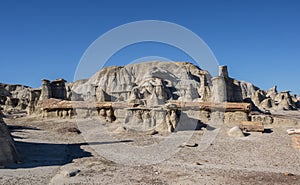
[
  {"x": 46, "y": 92},
  {"x": 55, "y": 89},
  {"x": 219, "y": 90},
  {"x": 223, "y": 71},
  {"x": 58, "y": 88}
]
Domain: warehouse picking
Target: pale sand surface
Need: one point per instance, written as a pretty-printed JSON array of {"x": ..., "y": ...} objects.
[{"x": 48, "y": 152}]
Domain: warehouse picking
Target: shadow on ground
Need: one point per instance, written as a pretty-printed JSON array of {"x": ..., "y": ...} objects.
[
  {"x": 19, "y": 128},
  {"x": 47, "y": 154},
  {"x": 50, "y": 154}
]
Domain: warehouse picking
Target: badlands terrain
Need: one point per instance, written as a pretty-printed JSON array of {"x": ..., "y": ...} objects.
[{"x": 149, "y": 123}]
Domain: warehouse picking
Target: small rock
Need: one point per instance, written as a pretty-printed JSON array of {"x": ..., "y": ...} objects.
[
  {"x": 74, "y": 130},
  {"x": 70, "y": 130},
  {"x": 121, "y": 129},
  {"x": 235, "y": 132},
  {"x": 71, "y": 173},
  {"x": 188, "y": 145},
  {"x": 289, "y": 174},
  {"x": 192, "y": 145},
  {"x": 197, "y": 163},
  {"x": 293, "y": 131},
  {"x": 154, "y": 132}
]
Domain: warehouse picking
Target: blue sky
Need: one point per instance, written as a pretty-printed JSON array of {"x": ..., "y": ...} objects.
[{"x": 258, "y": 40}]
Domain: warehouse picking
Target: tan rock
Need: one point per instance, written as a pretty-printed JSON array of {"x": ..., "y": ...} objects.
[
  {"x": 235, "y": 132},
  {"x": 8, "y": 153}
]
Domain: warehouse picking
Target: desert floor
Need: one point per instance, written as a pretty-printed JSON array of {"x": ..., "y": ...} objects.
[{"x": 52, "y": 152}]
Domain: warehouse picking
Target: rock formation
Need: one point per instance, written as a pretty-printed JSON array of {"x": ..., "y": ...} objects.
[
  {"x": 14, "y": 98},
  {"x": 145, "y": 89},
  {"x": 158, "y": 80},
  {"x": 229, "y": 89},
  {"x": 272, "y": 100},
  {"x": 55, "y": 89},
  {"x": 8, "y": 152}
]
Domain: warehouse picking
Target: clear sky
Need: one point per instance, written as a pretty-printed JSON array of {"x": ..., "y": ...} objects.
[{"x": 258, "y": 40}]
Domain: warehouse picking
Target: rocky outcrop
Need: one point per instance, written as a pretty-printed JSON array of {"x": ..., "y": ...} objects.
[
  {"x": 272, "y": 100},
  {"x": 8, "y": 152},
  {"x": 14, "y": 98},
  {"x": 145, "y": 88},
  {"x": 35, "y": 96},
  {"x": 55, "y": 89},
  {"x": 161, "y": 81},
  {"x": 158, "y": 81},
  {"x": 71, "y": 95},
  {"x": 228, "y": 89}
]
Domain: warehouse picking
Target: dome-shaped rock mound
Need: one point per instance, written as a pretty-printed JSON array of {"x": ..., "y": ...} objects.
[{"x": 158, "y": 81}]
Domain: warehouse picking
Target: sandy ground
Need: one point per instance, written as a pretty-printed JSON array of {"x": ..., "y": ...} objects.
[{"x": 52, "y": 153}]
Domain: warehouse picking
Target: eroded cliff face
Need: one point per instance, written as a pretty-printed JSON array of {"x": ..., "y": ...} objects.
[
  {"x": 273, "y": 100},
  {"x": 161, "y": 82},
  {"x": 158, "y": 81},
  {"x": 149, "y": 89},
  {"x": 14, "y": 98},
  {"x": 148, "y": 84}
]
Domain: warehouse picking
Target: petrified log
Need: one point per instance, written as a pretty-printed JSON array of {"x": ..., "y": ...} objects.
[
  {"x": 250, "y": 126},
  {"x": 210, "y": 106},
  {"x": 54, "y": 104}
]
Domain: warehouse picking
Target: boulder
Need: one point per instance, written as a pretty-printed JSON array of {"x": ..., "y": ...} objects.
[
  {"x": 8, "y": 153},
  {"x": 235, "y": 132}
]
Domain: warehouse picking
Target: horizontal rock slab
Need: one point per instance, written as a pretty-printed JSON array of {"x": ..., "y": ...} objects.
[
  {"x": 54, "y": 104},
  {"x": 251, "y": 126}
]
